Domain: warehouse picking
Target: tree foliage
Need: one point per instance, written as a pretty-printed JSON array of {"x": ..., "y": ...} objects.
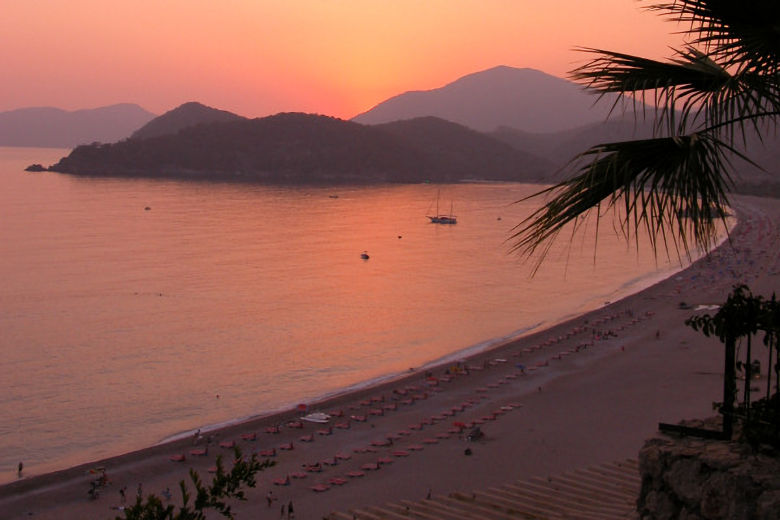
[
  {"x": 742, "y": 316},
  {"x": 720, "y": 85},
  {"x": 226, "y": 486}
]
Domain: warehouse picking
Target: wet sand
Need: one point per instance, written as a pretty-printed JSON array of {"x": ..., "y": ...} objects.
[{"x": 591, "y": 390}]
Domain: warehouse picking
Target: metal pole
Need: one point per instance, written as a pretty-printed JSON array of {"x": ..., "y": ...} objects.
[
  {"x": 729, "y": 388},
  {"x": 748, "y": 377}
]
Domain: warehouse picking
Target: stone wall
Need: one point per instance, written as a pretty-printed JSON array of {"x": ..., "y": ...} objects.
[{"x": 695, "y": 479}]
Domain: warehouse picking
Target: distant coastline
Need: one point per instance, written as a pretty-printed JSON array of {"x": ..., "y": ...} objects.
[{"x": 299, "y": 148}]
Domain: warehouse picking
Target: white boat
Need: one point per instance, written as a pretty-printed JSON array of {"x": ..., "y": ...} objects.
[
  {"x": 439, "y": 218},
  {"x": 316, "y": 417}
]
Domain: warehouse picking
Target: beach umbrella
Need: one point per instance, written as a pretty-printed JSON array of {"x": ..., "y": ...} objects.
[{"x": 302, "y": 407}]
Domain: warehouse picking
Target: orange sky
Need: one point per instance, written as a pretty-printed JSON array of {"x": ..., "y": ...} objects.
[{"x": 260, "y": 57}]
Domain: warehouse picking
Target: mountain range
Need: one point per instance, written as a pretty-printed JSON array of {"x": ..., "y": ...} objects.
[
  {"x": 488, "y": 125},
  {"x": 525, "y": 99},
  {"x": 183, "y": 116},
  {"x": 57, "y": 128},
  {"x": 306, "y": 148}
]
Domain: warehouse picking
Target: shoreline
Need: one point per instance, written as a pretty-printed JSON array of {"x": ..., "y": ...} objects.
[
  {"x": 478, "y": 349},
  {"x": 58, "y": 487},
  {"x": 465, "y": 354}
]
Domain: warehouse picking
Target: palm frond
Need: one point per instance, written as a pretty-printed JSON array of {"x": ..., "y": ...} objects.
[
  {"x": 669, "y": 186},
  {"x": 689, "y": 90},
  {"x": 742, "y": 34}
]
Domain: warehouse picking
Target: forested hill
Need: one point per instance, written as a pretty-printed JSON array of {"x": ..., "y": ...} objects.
[
  {"x": 470, "y": 154},
  {"x": 183, "y": 116},
  {"x": 306, "y": 148}
]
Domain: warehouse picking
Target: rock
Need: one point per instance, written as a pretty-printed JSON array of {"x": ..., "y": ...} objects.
[
  {"x": 685, "y": 476},
  {"x": 696, "y": 479},
  {"x": 35, "y": 168},
  {"x": 768, "y": 505}
]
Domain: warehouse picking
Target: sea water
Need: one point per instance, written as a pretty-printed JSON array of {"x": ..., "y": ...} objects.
[{"x": 135, "y": 310}]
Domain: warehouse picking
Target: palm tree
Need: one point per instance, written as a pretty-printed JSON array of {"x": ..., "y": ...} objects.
[{"x": 722, "y": 85}]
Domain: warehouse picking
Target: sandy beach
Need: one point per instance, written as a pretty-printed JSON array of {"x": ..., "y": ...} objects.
[{"x": 584, "y": 392}]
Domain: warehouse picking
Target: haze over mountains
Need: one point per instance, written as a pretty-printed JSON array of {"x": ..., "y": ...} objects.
[
  {"x": 486, "y": 125},
  {"x": 183, "y": 116},
  {"x": 57, "y": 128},
  {"x": 524, "y": 99},
  {"x": 306, "y": 148}
]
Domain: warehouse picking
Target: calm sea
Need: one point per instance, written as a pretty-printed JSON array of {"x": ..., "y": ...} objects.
[{"x": 127, "y": 306}]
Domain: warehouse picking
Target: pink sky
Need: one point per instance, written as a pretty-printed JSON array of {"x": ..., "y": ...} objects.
[{"x": 260, "y": 57}]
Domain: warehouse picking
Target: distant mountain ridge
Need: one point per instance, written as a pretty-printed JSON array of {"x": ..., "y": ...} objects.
[
  {"x": 183, "y": 116},
  {"x": 57, "y": 128},
  {"x": 525, "y": 99},
  {"x": 471, "y": 154},
  {"x": 307, "y": 148},
  {"x": 559, "y": 148}
]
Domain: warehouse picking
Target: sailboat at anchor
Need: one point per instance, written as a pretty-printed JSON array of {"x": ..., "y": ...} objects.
[{"x": 439, "y": 218}]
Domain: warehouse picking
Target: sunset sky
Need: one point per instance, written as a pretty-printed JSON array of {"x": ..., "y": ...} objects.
[{"x": 260, "y": 57}]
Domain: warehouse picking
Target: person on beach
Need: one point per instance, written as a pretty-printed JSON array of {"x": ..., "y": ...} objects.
[
  {"x": 20, "y": 467},
  {"x": 270, "y": 498},
  {"x": 122, "y": 496},
  {"x": 290, "y": 512}
]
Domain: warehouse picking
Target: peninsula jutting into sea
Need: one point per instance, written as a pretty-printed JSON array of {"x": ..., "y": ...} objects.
[
  {"x": 305, "y": 148},
  {"x": 527, "y": 135},
  {"x": 231, "y": 314}
]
